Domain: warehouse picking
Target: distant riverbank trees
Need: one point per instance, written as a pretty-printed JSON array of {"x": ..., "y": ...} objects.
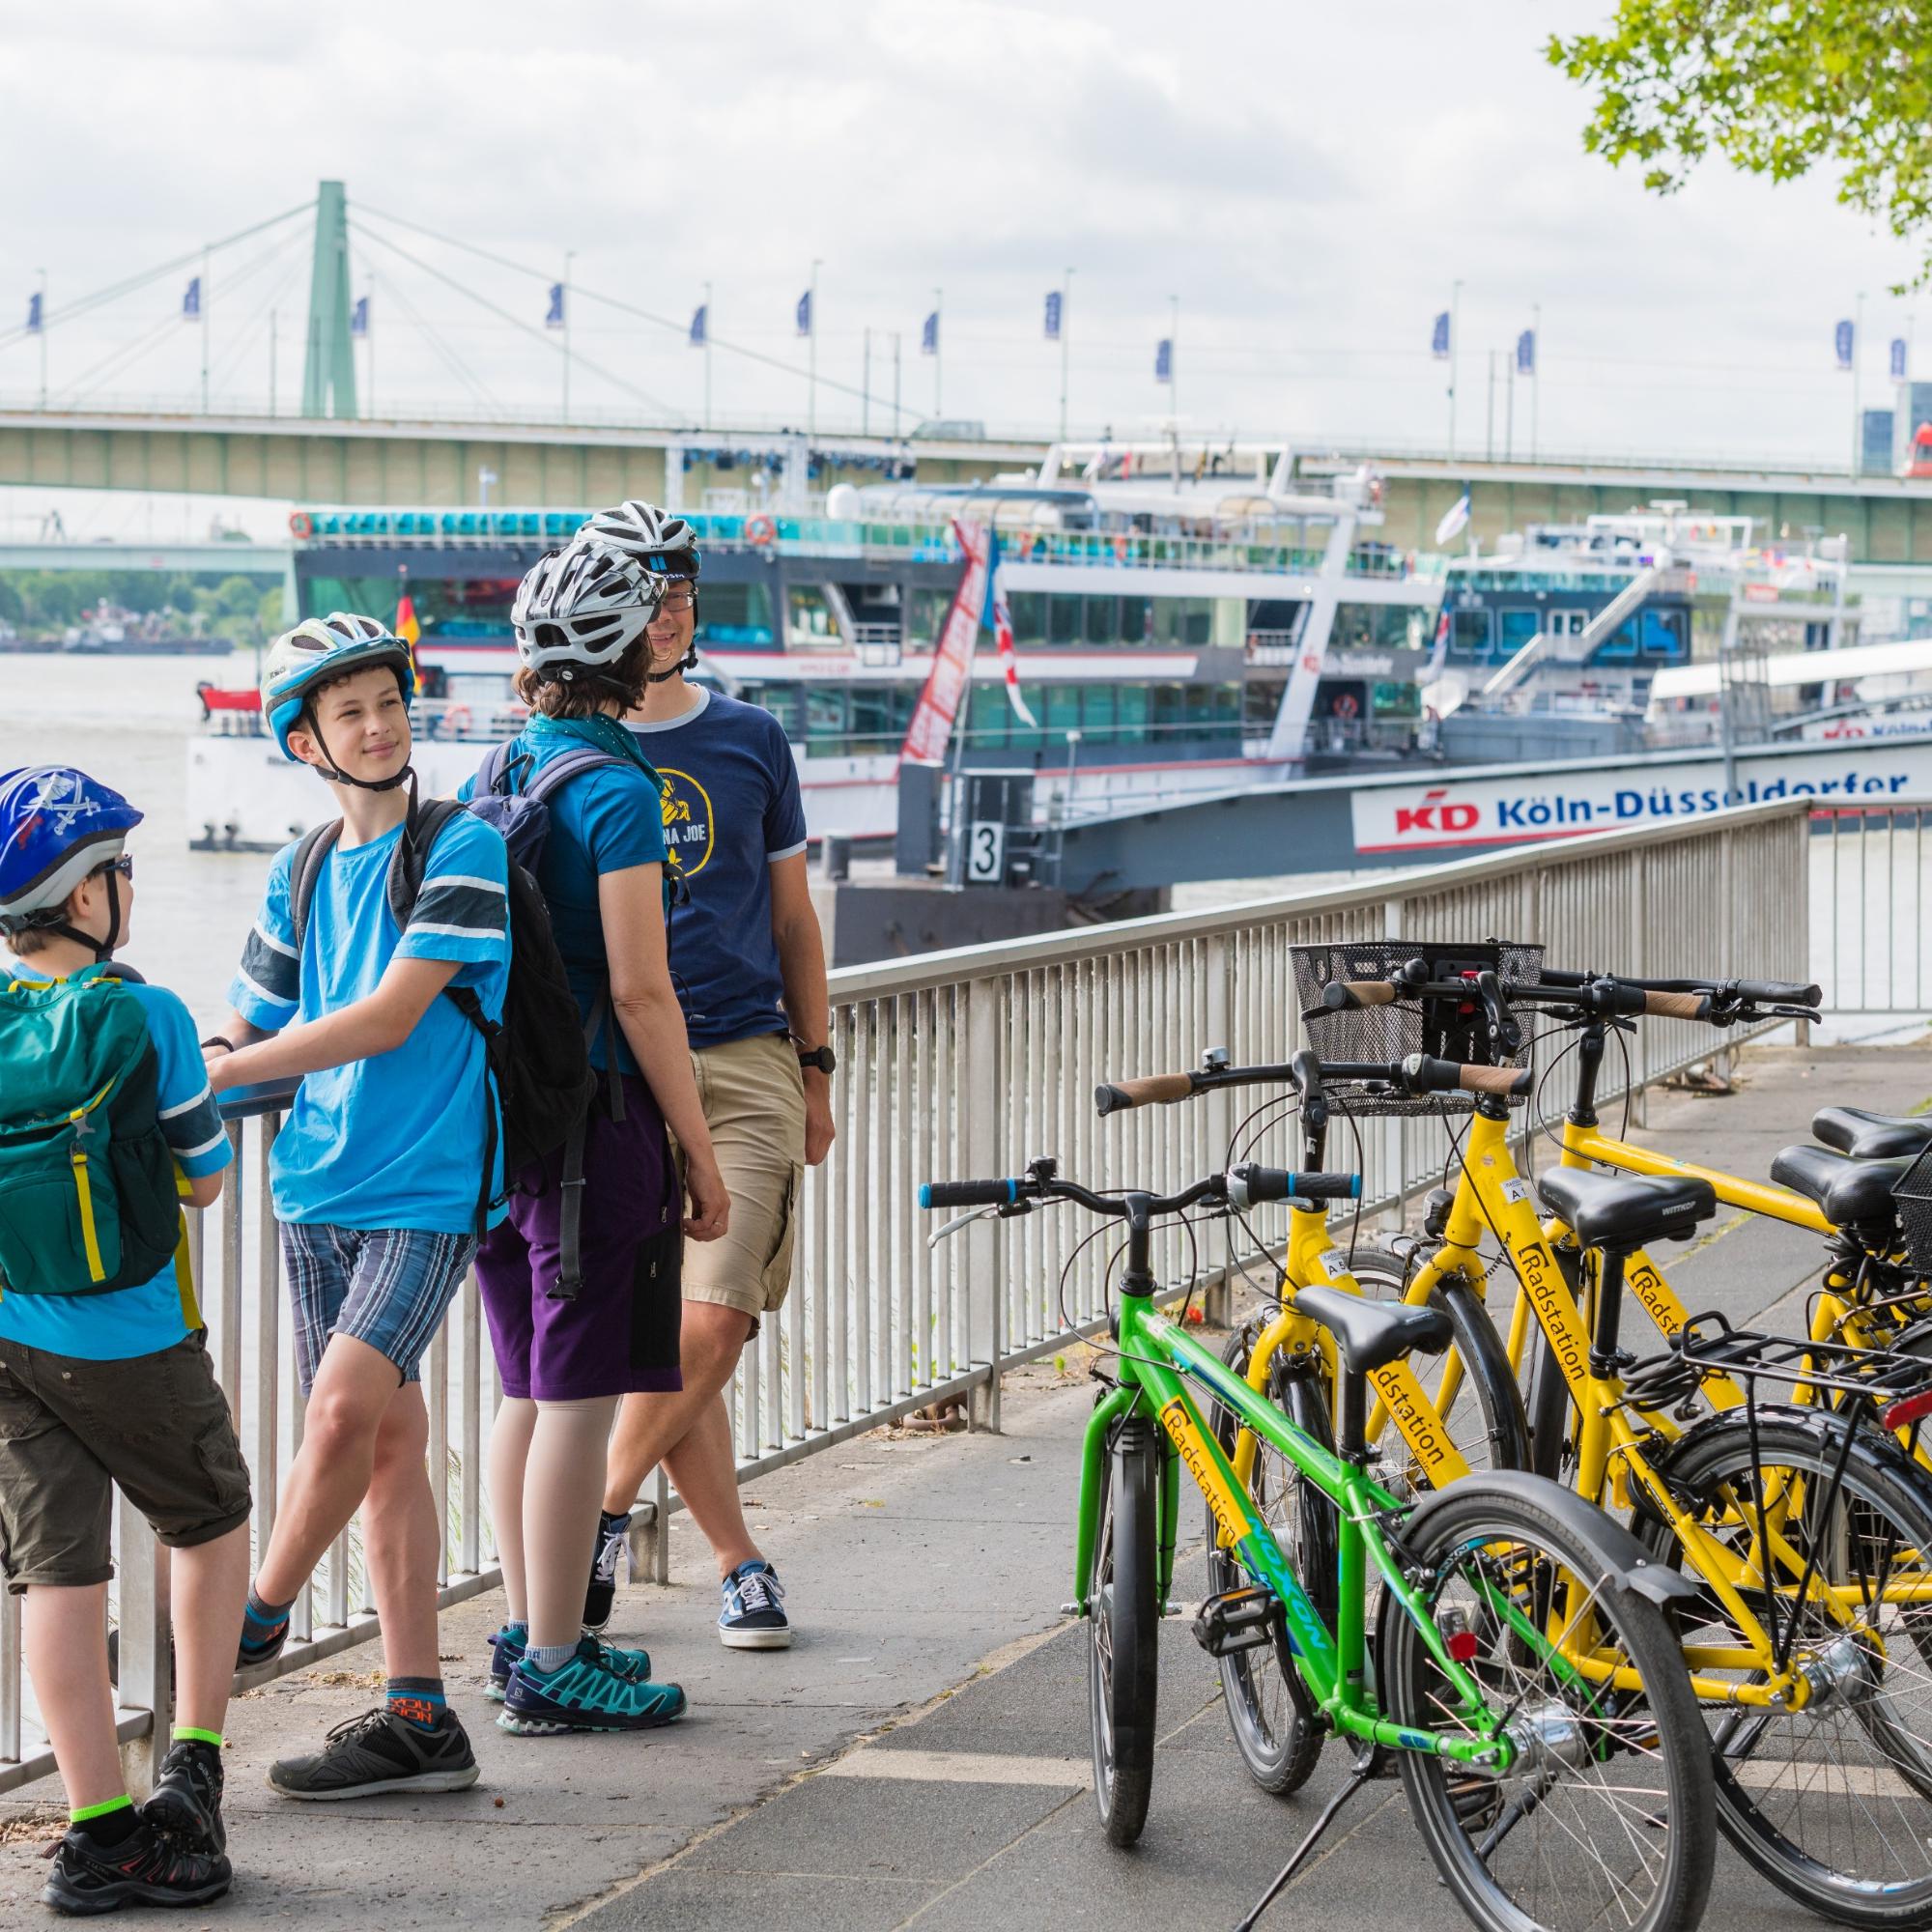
[{"x": 46, "y": 603}]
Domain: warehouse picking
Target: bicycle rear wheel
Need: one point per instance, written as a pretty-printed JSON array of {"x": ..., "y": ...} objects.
[
  {"x": 1279, "y": 1743},
  {"x": 1832, "y": 1802},
  {"x": 1604, "y": 1817},
  {"x": 1123, "y": 1631}
]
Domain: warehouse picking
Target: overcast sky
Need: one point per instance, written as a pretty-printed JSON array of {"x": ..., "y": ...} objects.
[{"x": 1309, "y": 180}]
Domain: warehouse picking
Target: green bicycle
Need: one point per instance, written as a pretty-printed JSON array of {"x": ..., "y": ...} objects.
[{"x": 1518, "y": 1671}]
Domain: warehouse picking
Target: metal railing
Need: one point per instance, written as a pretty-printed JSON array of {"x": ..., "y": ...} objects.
[
  {"x": 1871, "y": 874},
  {"x": 967, "y": 1063}
]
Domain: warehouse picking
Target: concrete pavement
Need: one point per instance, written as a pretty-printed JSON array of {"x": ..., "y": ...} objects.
[{"x": 919, "y": 1756}]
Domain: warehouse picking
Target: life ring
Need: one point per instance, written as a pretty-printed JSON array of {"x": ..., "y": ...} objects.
[
  {"x": 301, "y": 524},
  {"x": 760, "y": 531},
  {"x": 1119, "y": 549},
  {"x": 1346, "y": 704},
  {"x": 455, "y": 721}
]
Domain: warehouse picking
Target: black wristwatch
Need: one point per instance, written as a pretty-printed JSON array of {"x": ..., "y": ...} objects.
[{"x": 820, "y": 1057}]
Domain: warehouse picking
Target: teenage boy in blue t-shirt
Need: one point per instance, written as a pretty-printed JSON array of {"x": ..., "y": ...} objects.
[
  {"x": 377, "y": 1175},
  {"x": 749, "y": 964},
  {"x": 114, "y": 1385}
]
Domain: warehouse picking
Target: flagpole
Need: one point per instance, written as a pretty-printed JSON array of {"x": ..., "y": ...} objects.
[
  {"x": 44, "y": 338},
  {"x": 1858, "y": 422},
  {"x": 707, "y": 356},
  {"x": 1174, "y": 360},
  {"x": 1535, "y": 371},
  {"x": 569, "y": 256},
  {"x": 938, "y": 331},
  {"x": 1455, "y": 350},
  {"x": 204, "y": 331},
  {"x": 273, "y": 317},
  {"x": 369, "y": 337},
  {"x": 865, "y": 388},
  {"x": 812, "y": 357},
  {"x": 1065, "y": 303},
  {"x": 895, "y": 382}
]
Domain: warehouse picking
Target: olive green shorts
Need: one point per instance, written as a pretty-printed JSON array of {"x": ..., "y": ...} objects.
[{"x": 70, "y": 1429}]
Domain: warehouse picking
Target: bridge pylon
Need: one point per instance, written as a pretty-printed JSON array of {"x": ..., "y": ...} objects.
[{"x": 329, "y": 358}]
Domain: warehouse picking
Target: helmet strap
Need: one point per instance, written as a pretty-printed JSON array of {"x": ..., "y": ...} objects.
[
  {"x": 333, "y": 772},
  {"x": 102, "y": 949}
]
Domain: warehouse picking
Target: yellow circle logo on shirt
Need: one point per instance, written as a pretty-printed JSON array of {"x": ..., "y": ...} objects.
[{"x": 687, "y": 823}]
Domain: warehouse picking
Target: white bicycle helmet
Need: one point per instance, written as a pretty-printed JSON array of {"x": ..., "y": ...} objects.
[
  {"x": 659, "y": 541},
  {"x": 311, "y": 654},
  {"x": 581, "y": 607}
]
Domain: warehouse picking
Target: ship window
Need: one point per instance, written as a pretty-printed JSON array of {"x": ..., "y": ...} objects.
[
  {"x": 1469, "y": 635},
  {"x": 873, "y": 716},
  {"x": 1104, "y": 620},
  {"x": 735, "y": 614},
  {"x": 811, "y": 626},
  {"x": 824, "y": 714},
  {"x": 1136, "y": 620},
  {"x": 1259, "y": 702},
  {"x": 986, "y": 717},
  {"x": 1621, "y": 647},
  {"x": 1661, "y": 632},
  {"x": 1028, "y": 610},
  {"x": 1096, "y": 710},
  {"x": 1166, "y": 708},
  {"x": 1130, "y": 705},
  {"x": 925, "y": 616},
  {"x": 1519, "y": 627}
]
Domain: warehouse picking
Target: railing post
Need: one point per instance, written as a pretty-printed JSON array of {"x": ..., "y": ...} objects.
[
  {"x": 1639, "y": 968},
  {"x": 146, "y": 1665},
  {"x": 1218, "y": 1303},
  {"x": 1395, "y": 912},
  {"x": 1727, "y": 917},
  {"x": 986, "y": 1159}
]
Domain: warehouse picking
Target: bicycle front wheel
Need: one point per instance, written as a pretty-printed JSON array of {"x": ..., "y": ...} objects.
[
  {"x": 1123, "y": 1631},
  {"x": 1604, "y": 1817},
  {"x": 1279, "y": 1741},
  {"x": 1831, "y": 1801}
]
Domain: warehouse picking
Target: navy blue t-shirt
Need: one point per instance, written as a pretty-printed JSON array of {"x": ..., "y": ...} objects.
[{"x": 731, "y": 810}]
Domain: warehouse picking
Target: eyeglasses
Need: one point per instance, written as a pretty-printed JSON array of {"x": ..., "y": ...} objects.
[
  {"x": 124, "y": 865},
  {"x": 677, "y": 601}
]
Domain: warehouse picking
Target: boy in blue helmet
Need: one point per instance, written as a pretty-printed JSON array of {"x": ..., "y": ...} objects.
[
  {"x": 104, "y": 1372},
  {"x": 387, "y": 1171}
]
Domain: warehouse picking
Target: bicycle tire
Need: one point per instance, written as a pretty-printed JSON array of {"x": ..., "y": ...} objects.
[
  {"x": 1489, "y": 1382},
  {"x": 1871, "y": 1737},
  {"x": 1123, "y": 1631},
  {"x": 1546, "y": 1400},
  {"x": 1278, "y": 1741},
  {"x": 1636, "y": 1772}
]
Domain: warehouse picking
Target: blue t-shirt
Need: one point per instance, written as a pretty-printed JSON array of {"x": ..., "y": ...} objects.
[
  {"x": 604, "y": 820},
  {"x": 137, "y": 1320},
  {"x": 395, "y": 1141},
  {"x": 731, "y": 812}
]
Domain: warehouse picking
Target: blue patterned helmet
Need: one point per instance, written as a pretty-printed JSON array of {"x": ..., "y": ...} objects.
[{"x": 57, "y": 825}]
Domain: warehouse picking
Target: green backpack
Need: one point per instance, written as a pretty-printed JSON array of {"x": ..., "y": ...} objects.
[{"x": 88, "y": 1202}]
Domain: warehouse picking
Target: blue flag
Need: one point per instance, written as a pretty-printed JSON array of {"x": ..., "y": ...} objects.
[
  {"x": 1898, "y": 358},
  {"x": 1053, "y": 300},
  {"x": 35, "y": 322},
  {"x": 1163, "y": 359},
  {"x": 1841, "y": 341},
  {"x": 805, "y": 313},
  {"x": 1438, "y": 337},
  {"x": 1526, "y": 353},
  {"x": 192, "y": 302},
  {"x": 359, "y": 317},
  {"x": 700, "y": 326},
  {"x": 928, "y": 335},
  {"x": 554, "y": 315}
]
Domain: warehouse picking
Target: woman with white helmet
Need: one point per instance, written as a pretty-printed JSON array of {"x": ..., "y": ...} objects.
[{"x": 581, "y": 617}]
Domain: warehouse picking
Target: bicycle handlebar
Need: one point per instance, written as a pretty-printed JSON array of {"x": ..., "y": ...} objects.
[
  {"x": 1042, "y": 1184},
  {"x": 1418, "y": 1074},
  {"x": 969, "y": 1193},
  {"x": 1150, "y": 1090},
  {"x": 1250, "y": 1185},
  {"x": 1342, "y": 996}
]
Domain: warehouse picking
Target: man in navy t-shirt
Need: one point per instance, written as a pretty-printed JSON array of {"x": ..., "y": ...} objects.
[{"x": 749, "y": 965}]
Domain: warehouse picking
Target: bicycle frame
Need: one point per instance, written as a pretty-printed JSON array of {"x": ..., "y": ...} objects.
[{"x": 1156, "y": 1361}]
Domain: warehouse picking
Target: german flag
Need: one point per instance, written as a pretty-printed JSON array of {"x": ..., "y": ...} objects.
[{"x": 411, "y": 632}]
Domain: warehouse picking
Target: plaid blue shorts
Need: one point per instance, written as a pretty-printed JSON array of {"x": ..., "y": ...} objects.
[{"x": 389, "y": 1287}]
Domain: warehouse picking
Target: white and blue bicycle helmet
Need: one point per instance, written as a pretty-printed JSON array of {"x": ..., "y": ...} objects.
[{"x": 318, "y": 651}]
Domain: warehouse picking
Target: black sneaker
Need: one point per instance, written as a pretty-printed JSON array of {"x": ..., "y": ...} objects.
[
  {"x": 380, "y": 1751},
  {"x": 186, "y": 1798},
  {"x": 601, "y": 1598},
  {"x": 147, "y": 1867},
  {"x": 255, "y": 1657}
]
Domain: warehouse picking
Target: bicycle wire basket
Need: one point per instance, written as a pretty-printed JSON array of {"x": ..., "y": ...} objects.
[
  {"x": 1912, "y": 1194},
  {"x": 1444, "y": 1028}
]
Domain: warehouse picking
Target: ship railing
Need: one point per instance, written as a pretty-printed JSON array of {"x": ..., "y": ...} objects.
[{"x": 970, "y": 1061}]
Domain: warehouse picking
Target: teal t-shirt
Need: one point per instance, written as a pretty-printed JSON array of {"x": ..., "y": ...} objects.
[
  {"x": 395, "y": 1141},
  {"x": 604, "y": 820},
  {"x": 160, "y": 1313}
]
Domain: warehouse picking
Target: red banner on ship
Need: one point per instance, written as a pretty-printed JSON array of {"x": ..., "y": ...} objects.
[{"x": 932, "y": 719}]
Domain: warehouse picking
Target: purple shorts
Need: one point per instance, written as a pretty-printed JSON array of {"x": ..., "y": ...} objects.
[{"x": 620, "y": 1334}]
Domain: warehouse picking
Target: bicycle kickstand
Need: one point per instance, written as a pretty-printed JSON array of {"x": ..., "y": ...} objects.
[{"x": 1364, "y": 1770}]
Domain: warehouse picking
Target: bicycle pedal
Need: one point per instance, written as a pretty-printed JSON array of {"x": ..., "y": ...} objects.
[{"x": 1235, "y": 1620}]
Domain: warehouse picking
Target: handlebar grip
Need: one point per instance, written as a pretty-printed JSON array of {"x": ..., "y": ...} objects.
[
  {"x": 969, "y": 1193},
  {"x": 1151, "y": 1089},
  {"x": 1677, "y": 1005},
  {"x": 1422, "y": 1074},
  {"x": 1779, "y": 993},
  {"x": 1341, "y": 996},
  {"x": 1250, "y": 1185}
]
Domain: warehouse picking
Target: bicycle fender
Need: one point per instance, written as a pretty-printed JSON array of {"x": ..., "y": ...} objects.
[
  {"x": 1609, "y": 1543},
  {"x": 1874, "y": 1448}
]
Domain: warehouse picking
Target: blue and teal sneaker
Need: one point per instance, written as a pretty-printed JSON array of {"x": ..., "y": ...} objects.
[
  {"x": 753, "y": 1616},
  {"x": 585, "y": 1693},
  {"x": 507, "y": 1647}
]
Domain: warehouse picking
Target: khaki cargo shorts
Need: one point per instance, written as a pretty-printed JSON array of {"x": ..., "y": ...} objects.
[
  {"x": 155, "y": 1424},
  {"x": 753, "y": 1100}
]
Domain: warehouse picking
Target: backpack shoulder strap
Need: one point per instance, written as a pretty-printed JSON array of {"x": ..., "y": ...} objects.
[
  {"x": 550, "y": 777},
  {"x": 407, "y": 869},
  {"x": 306, "y": 869},
  {"x": 501, "y": 770}
]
